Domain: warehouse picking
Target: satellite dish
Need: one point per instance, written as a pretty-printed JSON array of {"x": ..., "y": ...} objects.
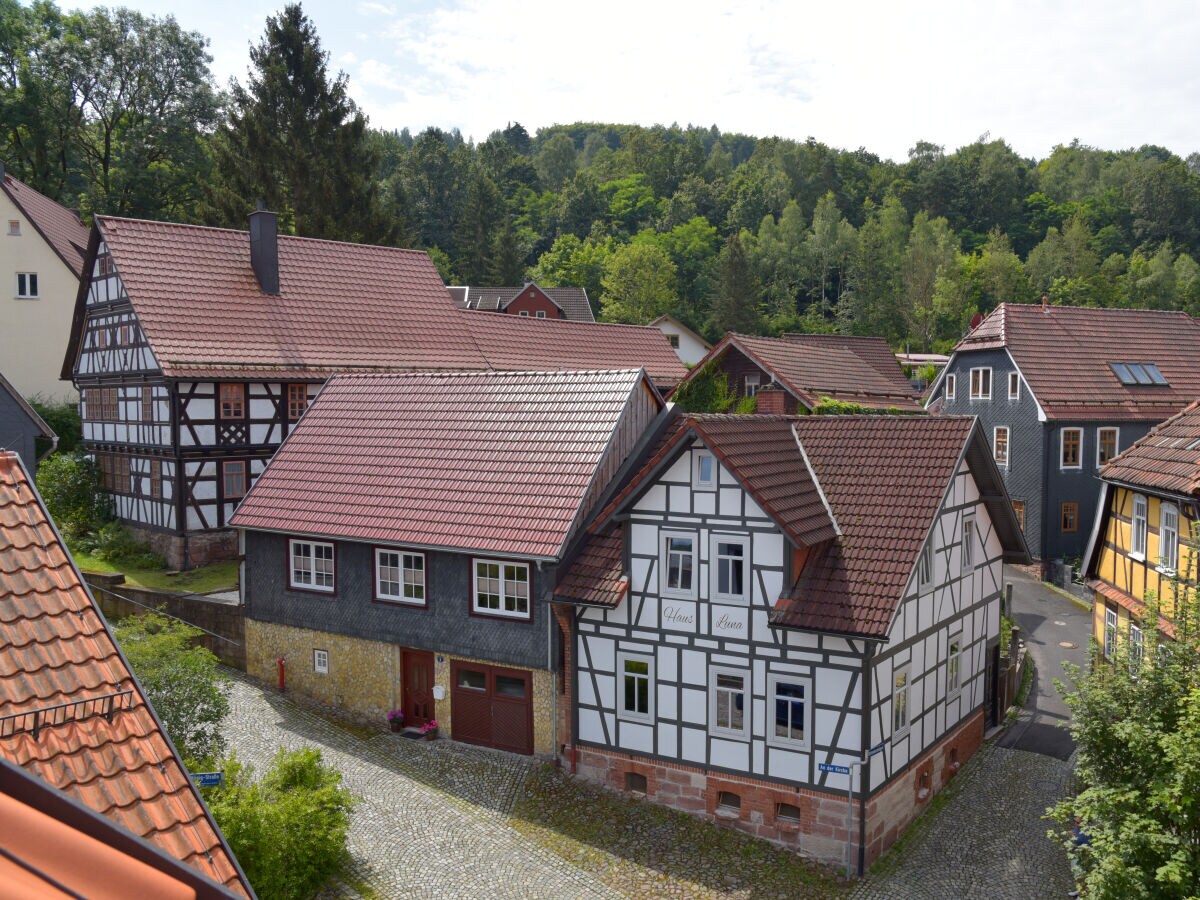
[{"x": 976, "y": 320}]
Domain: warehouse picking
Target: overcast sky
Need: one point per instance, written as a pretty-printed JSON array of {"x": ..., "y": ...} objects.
[{"x": 877, "y": 75}]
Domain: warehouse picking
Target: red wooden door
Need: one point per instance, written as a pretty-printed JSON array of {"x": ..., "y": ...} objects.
[
  {"x": 492, "y": 706},
  {"x": 417, "y": 686}
]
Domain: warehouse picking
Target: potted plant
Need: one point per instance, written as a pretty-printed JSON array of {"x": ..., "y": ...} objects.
[
  {"x": 429, "y": 730},
  {"x": 396, "y": 720}
]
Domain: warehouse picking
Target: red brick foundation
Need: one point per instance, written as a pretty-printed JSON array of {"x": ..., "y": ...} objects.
[
  {"x": 198, "y": 548},
  {"x": 808, "y": 822}
]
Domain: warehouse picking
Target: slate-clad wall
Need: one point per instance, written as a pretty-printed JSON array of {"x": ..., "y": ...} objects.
[
  {"x": 1025, "y": 474},
  {"x": 445, "y": 626},
  {"x": 17, "y": 432}
]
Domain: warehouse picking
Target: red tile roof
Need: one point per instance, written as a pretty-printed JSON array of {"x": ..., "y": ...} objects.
[
  {"x": 1064, "y": 353},
  {"x": 58, "y": 226},
  {"x": 572, "y": 301},
  {"x": 342, "y": 307},
  {"x": 55, "y": 648},
  {"x": 595, "y": 575},
  {"x": 1137, "y": 607},
  {"x": 884, "y": 478},
  {"x": 814, "y": 366},
  {"x": 1166, "y": 459},
  {"x": 487, "y": 462}
]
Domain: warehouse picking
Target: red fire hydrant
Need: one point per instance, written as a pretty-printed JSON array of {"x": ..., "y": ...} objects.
[{"x": 281, "y": 664}]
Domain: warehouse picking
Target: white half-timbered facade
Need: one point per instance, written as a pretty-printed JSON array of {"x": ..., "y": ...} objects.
[{"x": 759, "y": 618}]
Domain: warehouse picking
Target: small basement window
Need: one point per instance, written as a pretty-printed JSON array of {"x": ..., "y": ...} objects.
[
  {"x": 729, "y": 802},
  {"x": 321, "y": 662},
  {"x": 787, "y": 812},
  {"x": 635, "y": 782}
]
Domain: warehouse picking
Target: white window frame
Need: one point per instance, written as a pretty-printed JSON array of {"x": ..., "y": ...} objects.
[
  {"x": 1116, "y": 443},
  {"x": 664, "y": 536},
  {"x": 751, "y": 384},
  {"x": 1139, "y": 527},
  {"x": 951, "y": 385},
  {"x": 30, "y": 279},
  {"x": 311, "y": 568},
  {"x": 1007, "y": 445},
  {"x": 1137, "y": 646},
  {"x": 1110, "y": 632},
  {"x": 714, "y": 568},
  {"x": 954, "y": 665},
  {"x": 967, "y": 544},
  {"x": 925, "y": 566},
  {"x": 1014, "y": 385},
  {"x": 698, "y": 483},
  {"x": 1168, "y": 565},
  {"x": 789, "y": 743},
  {"x": 501, "y": 612},
  {"x": 980, "y": 395},
  {"x": 402, "y": 568},
  {"x": 320, "y": 661},
  {"x": 747, "y": 702},
  {"x": 540, "y": 314},
  {"x": 1062, "y": 446},
  {"x": 622, "y": 711},
  {"x": 901, "y": 729}
]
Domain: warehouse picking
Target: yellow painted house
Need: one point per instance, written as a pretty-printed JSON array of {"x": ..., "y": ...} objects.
[
  {"x": 1142, "y": 540},
  {"x": 42, "y": 245}
]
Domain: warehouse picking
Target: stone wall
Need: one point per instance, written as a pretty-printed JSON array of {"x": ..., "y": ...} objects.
[
  {"x": 365, "y": 677},
  {"x": 197, "y": 548},
  {"x": 118, "y": 600}
]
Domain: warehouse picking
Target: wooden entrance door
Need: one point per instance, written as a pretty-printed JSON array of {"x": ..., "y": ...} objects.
[{"x": 417, "y": 685}]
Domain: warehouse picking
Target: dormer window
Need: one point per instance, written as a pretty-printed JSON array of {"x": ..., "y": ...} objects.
[{"x": 1130, "y": 373}]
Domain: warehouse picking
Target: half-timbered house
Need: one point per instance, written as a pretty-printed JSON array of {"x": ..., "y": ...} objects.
[
  {"x": 1143, "y": 539},
  {"x": 771, "y": 601},
  {"x": 197, "y": 351},
  {"x": 402, "y": 546}
]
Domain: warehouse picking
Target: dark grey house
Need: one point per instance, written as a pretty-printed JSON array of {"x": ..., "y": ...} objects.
[
  {"x": 401, "y": 548},
  {"x": 20, "y": 425},
  {"x": 1060, "y": 391}
]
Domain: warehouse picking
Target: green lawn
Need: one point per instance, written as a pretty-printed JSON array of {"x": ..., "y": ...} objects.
[{"x": 217, "y": 577}]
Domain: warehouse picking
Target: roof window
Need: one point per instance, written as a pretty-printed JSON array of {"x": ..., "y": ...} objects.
[{"x": 1137, "y": 373}]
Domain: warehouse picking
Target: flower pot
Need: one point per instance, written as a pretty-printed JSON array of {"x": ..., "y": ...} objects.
[
  {"x": 429, "y": 735},
  {"x": 396, "y": 725}
]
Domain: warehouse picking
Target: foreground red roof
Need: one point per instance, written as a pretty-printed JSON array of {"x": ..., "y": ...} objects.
[
  {"x": 55, "y": 648},
  {"x": 1065, "y": 352},
  {"x": 1166, "y": 459},
  {"x": 496, "y": 462},
  {"x": 813, "y": 366},
  {"x": 59, "y": 226}
]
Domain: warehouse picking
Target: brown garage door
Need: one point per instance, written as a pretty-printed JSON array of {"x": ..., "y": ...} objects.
[{"x": 492, "y": 706}]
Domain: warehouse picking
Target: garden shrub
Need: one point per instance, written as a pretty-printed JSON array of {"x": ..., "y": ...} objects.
[{"x": 70, "y": 485}]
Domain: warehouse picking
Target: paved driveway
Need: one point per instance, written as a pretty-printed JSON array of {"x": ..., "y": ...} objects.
[{"x": 989, "y": 839}]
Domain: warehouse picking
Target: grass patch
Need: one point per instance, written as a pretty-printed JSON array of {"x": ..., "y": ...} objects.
[
  {"x": 641, "y": 849},
  {"x": 204, "y": 580}
]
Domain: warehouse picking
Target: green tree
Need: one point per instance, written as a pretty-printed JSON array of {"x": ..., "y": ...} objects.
[
  {"x": 288, "y": 830},
  {"x": 181, "y": 681},
  {"x": 830, "y": 246},
  {"x": 931, "y": 250},
  {"x": 70, "y": 485},
  {"x": 874, "y": 301},
  {"x": 507, "y": 265},
  {"x": 736, "y": 293},
  {"x": 294, "y": 138},
  {"x": 555, "y": 161},
  {"x": 638, "y": 285},
  {"x": 571, "y": 262},
  {"x": 475, "y": 234},
  {"x": 1136, "y": 724}
]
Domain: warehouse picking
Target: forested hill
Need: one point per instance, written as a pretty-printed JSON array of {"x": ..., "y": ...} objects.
[{"x": 115, "y": 112}]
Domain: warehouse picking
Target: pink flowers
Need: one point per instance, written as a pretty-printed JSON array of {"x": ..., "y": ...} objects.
[
  {"x": 396, "y": 716},
  {"x": 429, "y": 726}
]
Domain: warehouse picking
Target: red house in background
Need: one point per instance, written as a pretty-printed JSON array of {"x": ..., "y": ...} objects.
[{"x": 530, "y": 300}]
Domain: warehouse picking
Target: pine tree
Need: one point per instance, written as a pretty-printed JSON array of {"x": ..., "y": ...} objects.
[
  {"x": 507, "y": 264},
  {"x": 735, "y": 298},
  {"x": 296, "y": 140},
  {"x": 473, "y": 237}
]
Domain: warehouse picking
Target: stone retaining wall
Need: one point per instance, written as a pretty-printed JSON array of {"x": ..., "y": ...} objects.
[{"x": 118, "y": 600}]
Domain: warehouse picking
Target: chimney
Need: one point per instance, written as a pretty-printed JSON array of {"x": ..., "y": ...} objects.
[
  {"x": 1046, "y": 304},
  {"x": 264, "y": 248},
  {"x": 772, "y": 400}
]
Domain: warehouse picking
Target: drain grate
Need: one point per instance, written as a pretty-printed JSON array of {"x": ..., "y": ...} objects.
[{"x": 1069, "y": 645}]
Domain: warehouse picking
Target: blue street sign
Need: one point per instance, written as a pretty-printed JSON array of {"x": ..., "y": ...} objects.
[
  {"x": 836, "y": 770},
  {"x": 209, "y": 779},
  {"x": 877, "y": 749}
]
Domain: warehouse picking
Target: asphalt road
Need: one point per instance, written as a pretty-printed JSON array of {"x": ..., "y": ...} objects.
[{"x": 1056, "y": 630}]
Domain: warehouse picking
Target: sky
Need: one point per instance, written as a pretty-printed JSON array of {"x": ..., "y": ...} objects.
[{"x": 879, "y": 75}]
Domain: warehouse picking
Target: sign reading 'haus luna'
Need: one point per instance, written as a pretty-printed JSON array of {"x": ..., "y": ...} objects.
[
  {"x": 728, "y": 622},
  {"x": 679, "y": 616}
]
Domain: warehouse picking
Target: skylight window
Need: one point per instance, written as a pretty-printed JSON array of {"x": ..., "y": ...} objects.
[{"x": 1137, "y": 373}]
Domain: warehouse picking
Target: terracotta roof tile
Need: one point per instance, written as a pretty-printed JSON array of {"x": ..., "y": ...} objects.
[
  {"x": 1064, "y": 354},
  {"x": 1166, "y": 459},
  {"x": 594, "y": 577},
  {"x": 515, "y": 452},
  {"x": 572, "y": 301},
  {"x": 59, "y": 226},
  {"x": 1137, "y": 607},
  {"x": 815, "y": 366},
  {"x": 55, "y": 648}
]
